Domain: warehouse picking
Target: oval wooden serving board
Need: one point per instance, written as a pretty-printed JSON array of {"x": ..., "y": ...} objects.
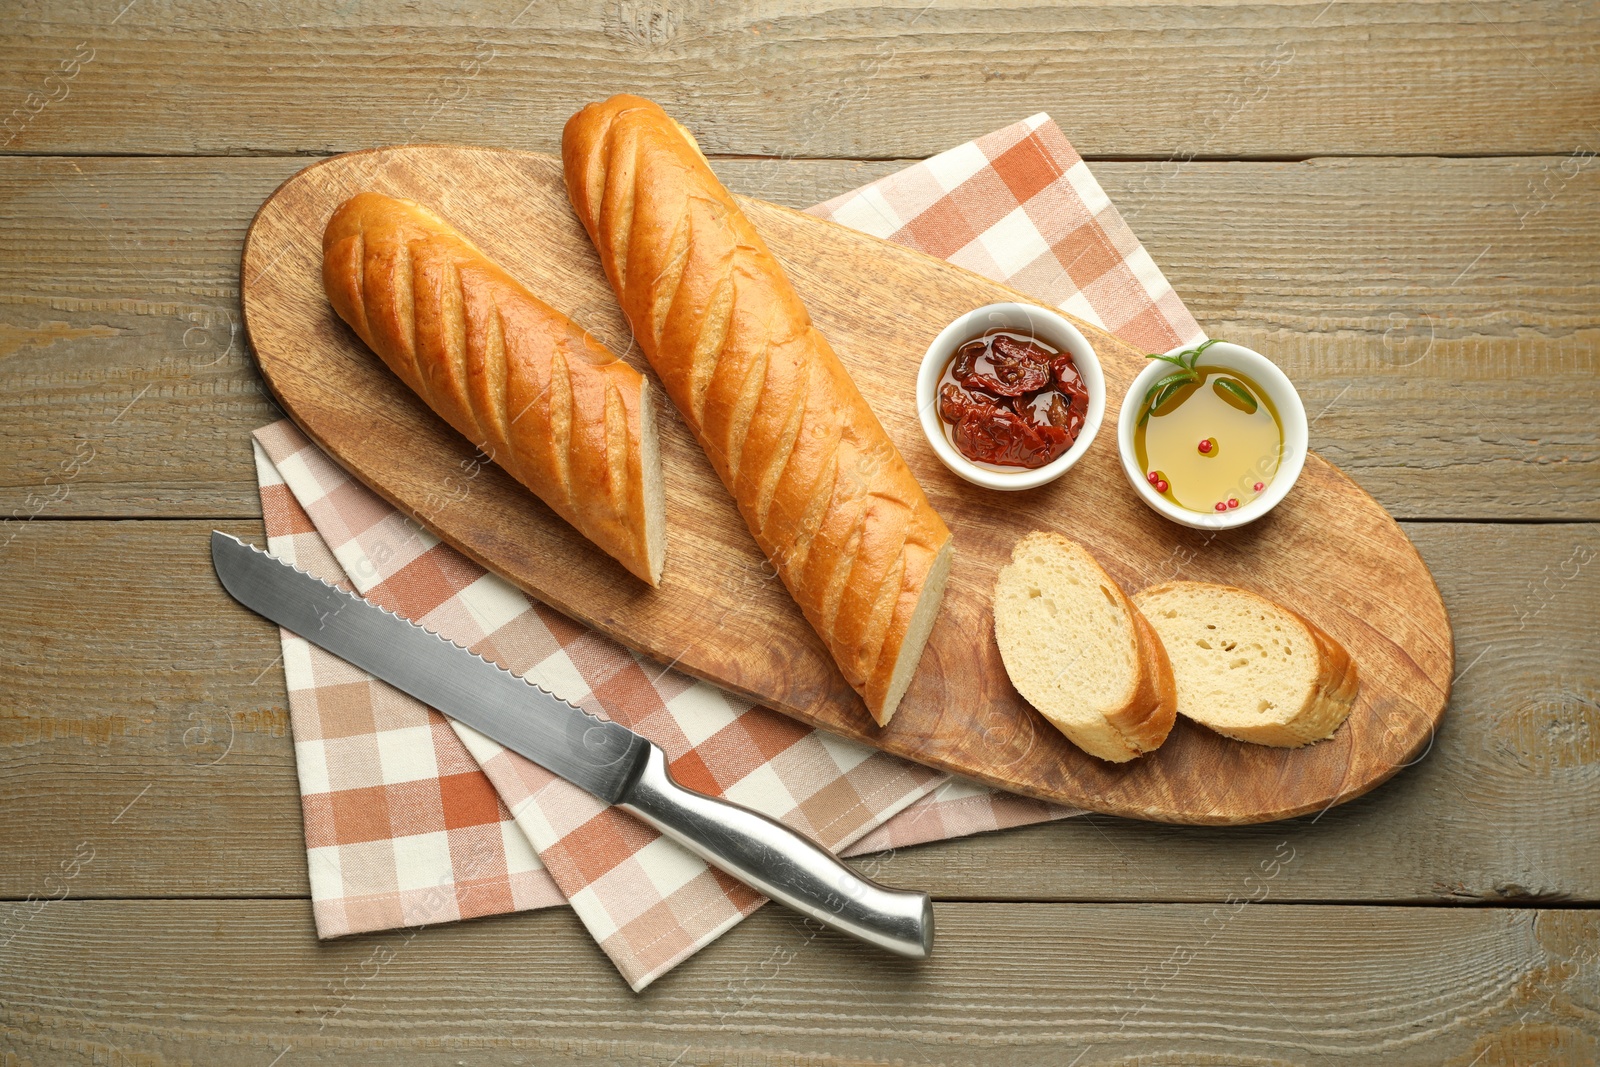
[{"x": 1329, "y": 551}]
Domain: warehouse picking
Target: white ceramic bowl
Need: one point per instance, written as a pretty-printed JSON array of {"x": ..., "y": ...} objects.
[
  {"x": 1279, "y": 390},
  {"x": 1033, "y": 321}
]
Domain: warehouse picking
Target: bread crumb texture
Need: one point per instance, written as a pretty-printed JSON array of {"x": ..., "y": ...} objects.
[{"x": 1247, "y": 668}]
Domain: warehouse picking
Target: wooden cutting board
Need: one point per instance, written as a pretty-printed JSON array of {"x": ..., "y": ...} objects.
[{"x": 1329, "y": 551}]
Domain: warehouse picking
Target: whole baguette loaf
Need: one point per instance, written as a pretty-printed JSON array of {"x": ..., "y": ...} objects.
[
  {"x": 1248, "y": 668},
  {"x": 823, "y": 489},
  {"x": 517, "y": 378}
]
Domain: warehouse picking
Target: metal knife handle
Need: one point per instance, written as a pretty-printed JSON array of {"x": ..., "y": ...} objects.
[{"x": 786, "y": 866}]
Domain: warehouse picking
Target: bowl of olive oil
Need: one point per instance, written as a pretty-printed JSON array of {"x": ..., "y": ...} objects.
[{"x": 1212, "y": 436}]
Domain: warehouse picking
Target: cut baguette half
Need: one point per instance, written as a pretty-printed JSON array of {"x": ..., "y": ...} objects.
[
  {"x": 1250, "y": 669},
  {"x": 1078, "y": 650}
]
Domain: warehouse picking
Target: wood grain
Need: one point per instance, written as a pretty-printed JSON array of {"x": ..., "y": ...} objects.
[
  {"x": 220, "y": 982},
  {"x": 1446, "y": 392},
  {"x": 721, "y": 615},
  {"x": 125, "y": 666},
  {"x": 1161, "y": 81}
]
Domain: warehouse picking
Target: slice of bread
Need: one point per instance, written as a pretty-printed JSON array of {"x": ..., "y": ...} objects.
[
  {"x": 1077, "y": 649},
  {"x": 1248, "y": 668}
]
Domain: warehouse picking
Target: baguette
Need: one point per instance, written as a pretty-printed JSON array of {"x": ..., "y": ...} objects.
[
  {"x": 1078, "y": 650},
  {"x": 562, "y": 414},
  {"x": 1248, "y": 668},
  {"x": 825, "y": 493}
]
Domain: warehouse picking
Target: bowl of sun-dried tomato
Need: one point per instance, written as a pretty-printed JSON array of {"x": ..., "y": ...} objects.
[{"x": 1010, "y": 396}]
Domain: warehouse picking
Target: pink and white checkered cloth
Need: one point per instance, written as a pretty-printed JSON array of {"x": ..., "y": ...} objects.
[
  {"x": 414, "y": 819},
  {"x": 1019, "y": 206}
]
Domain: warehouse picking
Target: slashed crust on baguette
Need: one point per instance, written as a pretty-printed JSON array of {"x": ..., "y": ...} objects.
[
  {"x": 518, "y": 379},
  {"x": 1079, "y": 651},
  {"x": 1249, "y": 668},
  {"x": 821, "y": 486}
]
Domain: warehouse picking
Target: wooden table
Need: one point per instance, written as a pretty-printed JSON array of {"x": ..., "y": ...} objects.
[{"x": 1400, "y": 202}]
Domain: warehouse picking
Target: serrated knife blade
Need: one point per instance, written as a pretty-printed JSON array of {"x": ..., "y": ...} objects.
[
  {"x": 591, "y": 753},
  {"x": 602, "y": 757}
]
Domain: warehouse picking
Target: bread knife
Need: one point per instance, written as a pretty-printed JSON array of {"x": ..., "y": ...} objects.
[{"x": 599, "y": 756}]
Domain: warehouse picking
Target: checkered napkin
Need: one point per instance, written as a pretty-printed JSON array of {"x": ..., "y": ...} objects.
[
  {"x": 1019, "y": 206},
  {"x": 414, "y": 819},
  {"x": 402, "y": 828}
]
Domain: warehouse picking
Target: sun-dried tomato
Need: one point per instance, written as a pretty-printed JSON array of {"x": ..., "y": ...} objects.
[
  {"x": 985, "y": 431},
  {"x": 1012, "y": 402}
]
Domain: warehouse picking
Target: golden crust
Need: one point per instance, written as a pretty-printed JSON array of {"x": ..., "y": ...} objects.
[
  {"x": 514, "y": 376},
  {"x": 824, "y": 491},
  {"x": 1147, "y": 718}
]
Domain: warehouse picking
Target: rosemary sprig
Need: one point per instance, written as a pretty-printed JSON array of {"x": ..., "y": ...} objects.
[{"x": 1163, "y": 390}]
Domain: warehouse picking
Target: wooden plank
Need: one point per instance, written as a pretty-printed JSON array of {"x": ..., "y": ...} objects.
[
  {"x": 1225, "y": 80},
  {"x": 145, "y": 685},
  {"x": 1443, "y": 344},
  {"x": 242, "y": 982},
  {"x": 138, "y": 667}
]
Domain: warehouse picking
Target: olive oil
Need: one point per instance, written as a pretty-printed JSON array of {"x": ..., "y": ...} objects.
[{"x": 1213, "y": 445}]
